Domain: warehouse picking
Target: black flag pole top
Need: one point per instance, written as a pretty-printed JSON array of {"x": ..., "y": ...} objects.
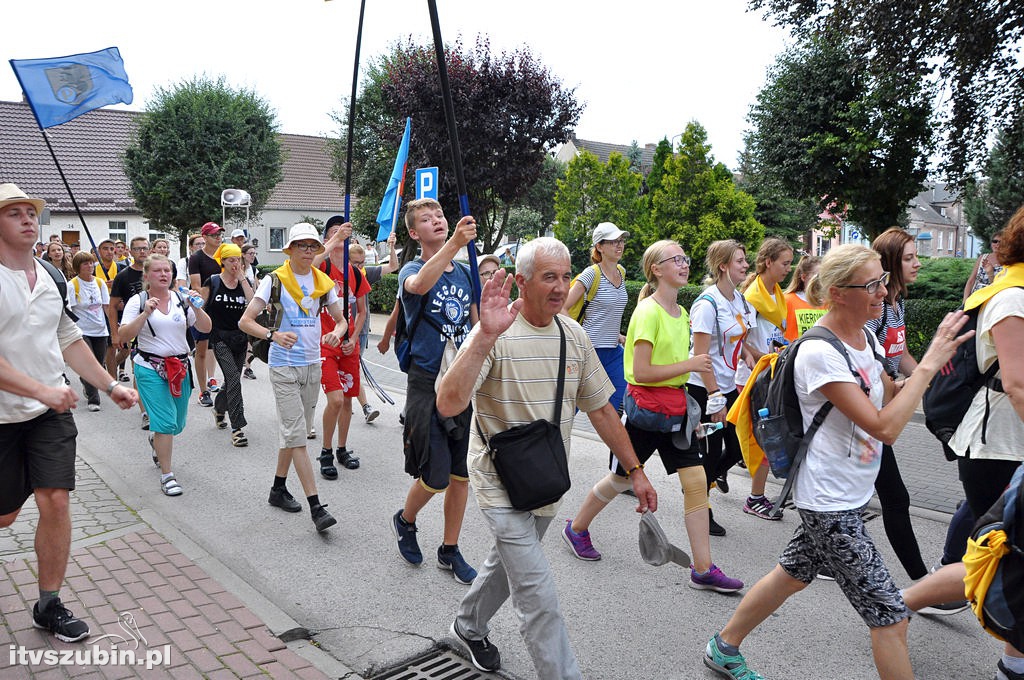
[
  {"x": 453, "y": 135},
  {"x": 348, "y": 158}
]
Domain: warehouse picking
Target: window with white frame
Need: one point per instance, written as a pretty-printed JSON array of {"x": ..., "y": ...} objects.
[
  {"x": 276, "y": 238},
  {"x": 117, "y": 230}
]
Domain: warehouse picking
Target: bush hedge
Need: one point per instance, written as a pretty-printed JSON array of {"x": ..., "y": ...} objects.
[{"x": 923, "y": 315}]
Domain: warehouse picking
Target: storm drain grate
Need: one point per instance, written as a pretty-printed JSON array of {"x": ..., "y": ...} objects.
[{"x": 438, "y": 665}]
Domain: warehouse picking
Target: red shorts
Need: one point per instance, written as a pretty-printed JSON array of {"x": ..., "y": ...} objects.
[{"x": 340, "y": 371}]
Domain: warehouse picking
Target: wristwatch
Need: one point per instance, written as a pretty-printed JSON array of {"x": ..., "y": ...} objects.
[
  {"x": 270, "y": 336},
  {"x": 111, "y": 386}
]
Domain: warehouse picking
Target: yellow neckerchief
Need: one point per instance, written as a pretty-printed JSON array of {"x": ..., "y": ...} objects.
[
  {"x": 322, "y": 283},
  {"x": 108, "y": 274},
  {"x": 772, "y": 310},
  {"x": 1011, "y": 277}
]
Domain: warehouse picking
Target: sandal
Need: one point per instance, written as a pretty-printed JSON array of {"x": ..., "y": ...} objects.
[
  {"x": 349, "y": 461},
  {"x": 238, "y": 438},
  {"x": 170, "y": 487},
  {"x": 327, "y": 469},
  {"x": 219, "y": 418},
  {"x": 156, "y": 461}
]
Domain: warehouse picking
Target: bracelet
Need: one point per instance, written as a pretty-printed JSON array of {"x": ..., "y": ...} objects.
[
  {"x": 638, "y": 466},
  {"x": 111, "y": 386}
]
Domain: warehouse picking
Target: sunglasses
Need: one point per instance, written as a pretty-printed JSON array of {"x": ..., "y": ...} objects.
[{"x": 871, "y": 286}]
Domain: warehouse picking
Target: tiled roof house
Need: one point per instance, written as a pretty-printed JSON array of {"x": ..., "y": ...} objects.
[
  {"x": 603, "y": 150},
  {"x": 90, "y": 148},
  {"x": 936, "y": 218}
]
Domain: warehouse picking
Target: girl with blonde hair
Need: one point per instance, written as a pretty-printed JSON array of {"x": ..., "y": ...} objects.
[
  {"x": 657, "y": 364},
  {"x": 720, "y": 319}
]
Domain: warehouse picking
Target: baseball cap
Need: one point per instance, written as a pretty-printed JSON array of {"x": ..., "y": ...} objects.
[
  {"x": 655, "y": 548},
  {"x": 211, "y": 228},
  {"x": 606, "y": 231},
  {"x": 237, "y": 232}
]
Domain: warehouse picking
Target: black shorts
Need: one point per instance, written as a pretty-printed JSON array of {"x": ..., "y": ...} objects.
[
  {"x": 645, "y": 443},
  {"x": 197, "y": 335},
  {"x": 36, "y": 454},
  {"x": 435, "y": 447}
]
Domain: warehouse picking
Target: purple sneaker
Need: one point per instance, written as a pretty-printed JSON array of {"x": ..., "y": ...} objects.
[
  {"x": 580, "y": 543},
  {"x": 714, "y": 580}
]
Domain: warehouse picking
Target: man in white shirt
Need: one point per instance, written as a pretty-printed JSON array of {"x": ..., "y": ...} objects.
[{"x": 37, "y": 431}]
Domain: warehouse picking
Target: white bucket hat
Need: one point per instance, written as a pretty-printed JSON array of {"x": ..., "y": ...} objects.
[{"x": 303, "y": 232}]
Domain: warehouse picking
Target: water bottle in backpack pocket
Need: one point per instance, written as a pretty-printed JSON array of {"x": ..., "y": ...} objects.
[{"x": 772, "y": 433}]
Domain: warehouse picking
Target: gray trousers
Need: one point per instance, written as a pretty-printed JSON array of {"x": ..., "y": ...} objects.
[{"x": 516, "y": 566}]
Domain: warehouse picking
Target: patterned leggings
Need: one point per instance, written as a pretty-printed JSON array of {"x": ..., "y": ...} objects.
[{"x": 229, "y": 399}]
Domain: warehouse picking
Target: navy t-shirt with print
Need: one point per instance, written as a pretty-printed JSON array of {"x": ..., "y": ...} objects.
[{"x": 448, "y": 304}]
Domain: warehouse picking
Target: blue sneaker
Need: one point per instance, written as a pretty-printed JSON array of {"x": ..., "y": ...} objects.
[
  {"x": 405, "y": 532},
  {"x": 728, "y": 665},
  {"x": 455, "y": 563}
]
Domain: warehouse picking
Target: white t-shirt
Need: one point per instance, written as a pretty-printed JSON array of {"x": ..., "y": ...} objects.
[
  {"x": 182, "y": 268},
  {"x": 161, "y": 334},
  {"x": 734, "y": 320},
  {"x": 306, "y": 350},
  {"x": 1004, "y": 432},
  {"x": 842, "y": 460},
  {"x": 761, "y": 337},
  {"x": 87, "y": 304}
]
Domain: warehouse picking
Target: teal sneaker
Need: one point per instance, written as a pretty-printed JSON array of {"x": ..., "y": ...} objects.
[{"x": 729, "y": 666}]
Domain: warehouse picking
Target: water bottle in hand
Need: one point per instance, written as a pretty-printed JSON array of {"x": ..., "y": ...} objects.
[
  {"x": 704, "y": 429},
  {"x": 194, "y": 298}
]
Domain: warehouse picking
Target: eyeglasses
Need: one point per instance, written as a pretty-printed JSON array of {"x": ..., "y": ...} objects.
[
  {"x": 616, "y": 242},
  {"x": 679, "y": 260},
  {"x": 139, "y": 248},
  {"x": 308, "y": 247},
  {"x": 489, "y": 274},
  {"x": 871, "y": 286}
]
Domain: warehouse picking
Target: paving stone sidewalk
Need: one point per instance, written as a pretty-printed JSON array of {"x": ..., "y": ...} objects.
[{"x": 126, "y": 579}]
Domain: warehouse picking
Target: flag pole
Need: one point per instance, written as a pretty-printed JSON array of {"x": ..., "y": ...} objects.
[
  {"x": 67, "y": 186},
  {"x": 453, "y": 135},
  {"x": 348, "y": 157}
]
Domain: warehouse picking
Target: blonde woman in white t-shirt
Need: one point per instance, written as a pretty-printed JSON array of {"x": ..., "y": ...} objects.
[
  {"x": 836, "y": 479},
  {"x": 159, "y": 317}
]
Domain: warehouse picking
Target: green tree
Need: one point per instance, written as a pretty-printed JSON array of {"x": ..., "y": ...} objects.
[
  {"x": 825, "y": 129},
  {"x": 782, "y": 215},
  {"x": 593, "y": 192},
  {"x": 970, "y": 48},
  {"x": 195, "y": 140},
  {"x": 661, "y": 154},
  {"x": 989, "y": 203},
  {"x": 510, "y": 111},
  {"x": 698, "y": 201}
]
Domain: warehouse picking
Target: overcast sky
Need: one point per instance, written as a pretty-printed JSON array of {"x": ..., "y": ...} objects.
[{"x": 642, "y": 69}]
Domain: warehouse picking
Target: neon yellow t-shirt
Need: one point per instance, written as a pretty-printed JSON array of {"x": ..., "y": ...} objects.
[{"x": 669, "y": 336}]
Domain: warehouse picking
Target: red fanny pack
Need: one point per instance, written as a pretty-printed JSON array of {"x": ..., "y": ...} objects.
[
  {"x": 670, "y": 401},
  {"x": 177, "y": 371}
]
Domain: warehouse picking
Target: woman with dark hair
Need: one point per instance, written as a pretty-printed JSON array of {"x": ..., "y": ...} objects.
[
  {"x": 801, "y": 314},
  {"x": 56, "y": 255},
  {"x": 898, "y": 252}
]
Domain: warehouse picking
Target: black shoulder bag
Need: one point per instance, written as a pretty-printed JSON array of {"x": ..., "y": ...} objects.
[{"x": 530, "y": 459}]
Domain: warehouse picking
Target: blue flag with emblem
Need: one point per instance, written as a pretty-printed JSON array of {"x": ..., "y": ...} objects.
[
  {"x": 389, "y": 207},
  {"x": 62, "y": 88}
]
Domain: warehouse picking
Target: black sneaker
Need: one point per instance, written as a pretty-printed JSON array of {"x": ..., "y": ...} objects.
[
  {"x": 456, "y": 563},
  {"x": 280, "y": 498},
  {"x": 405, "y": 532},
  {"x": 205, "y": 399},
  {"x": 714, "y": 528},
  {"x": 723, "y": 483},
  {"x": 58, "y": 620},
  {"x": 826, "y": 573},
  {"x": 248, "y": 374},
  {"x": 1004, "y": 673},
  {"x": 322, "y": 519},
  {"x": 944, "y": 609},
  {"x": 483, "y": 654}
]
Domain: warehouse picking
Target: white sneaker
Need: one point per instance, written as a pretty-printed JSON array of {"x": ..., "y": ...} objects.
[
  {"x": 370, "y": 413},
  {"x": 94, "y": 407}
]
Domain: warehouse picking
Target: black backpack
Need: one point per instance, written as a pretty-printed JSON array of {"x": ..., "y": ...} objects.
[
  {"x": 62, "y": 286},
  {"x": 1000, "y": 606},
  {"x": 780, "y": 433},
  {"x": 952, "y": 390}
]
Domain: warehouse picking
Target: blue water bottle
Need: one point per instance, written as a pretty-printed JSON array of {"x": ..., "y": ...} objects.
[
  {"x": 770, "y": 433},
  {"x": 194, "y": 298}
]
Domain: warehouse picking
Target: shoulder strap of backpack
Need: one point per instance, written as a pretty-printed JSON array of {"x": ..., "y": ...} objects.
[
  {"x": 718, "y": 326},
  {"x": 214, "y": 285},
  {"x": 62, "y": 286},
  {"x": 595, "y": 284}
]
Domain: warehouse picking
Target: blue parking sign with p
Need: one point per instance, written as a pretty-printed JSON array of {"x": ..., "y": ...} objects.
[{"x": 426, "y": 183}]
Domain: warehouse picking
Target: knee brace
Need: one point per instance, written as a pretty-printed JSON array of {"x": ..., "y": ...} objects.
[
  {"x": 695, "y": 488},
  {"x": 611, "y": 486}
]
